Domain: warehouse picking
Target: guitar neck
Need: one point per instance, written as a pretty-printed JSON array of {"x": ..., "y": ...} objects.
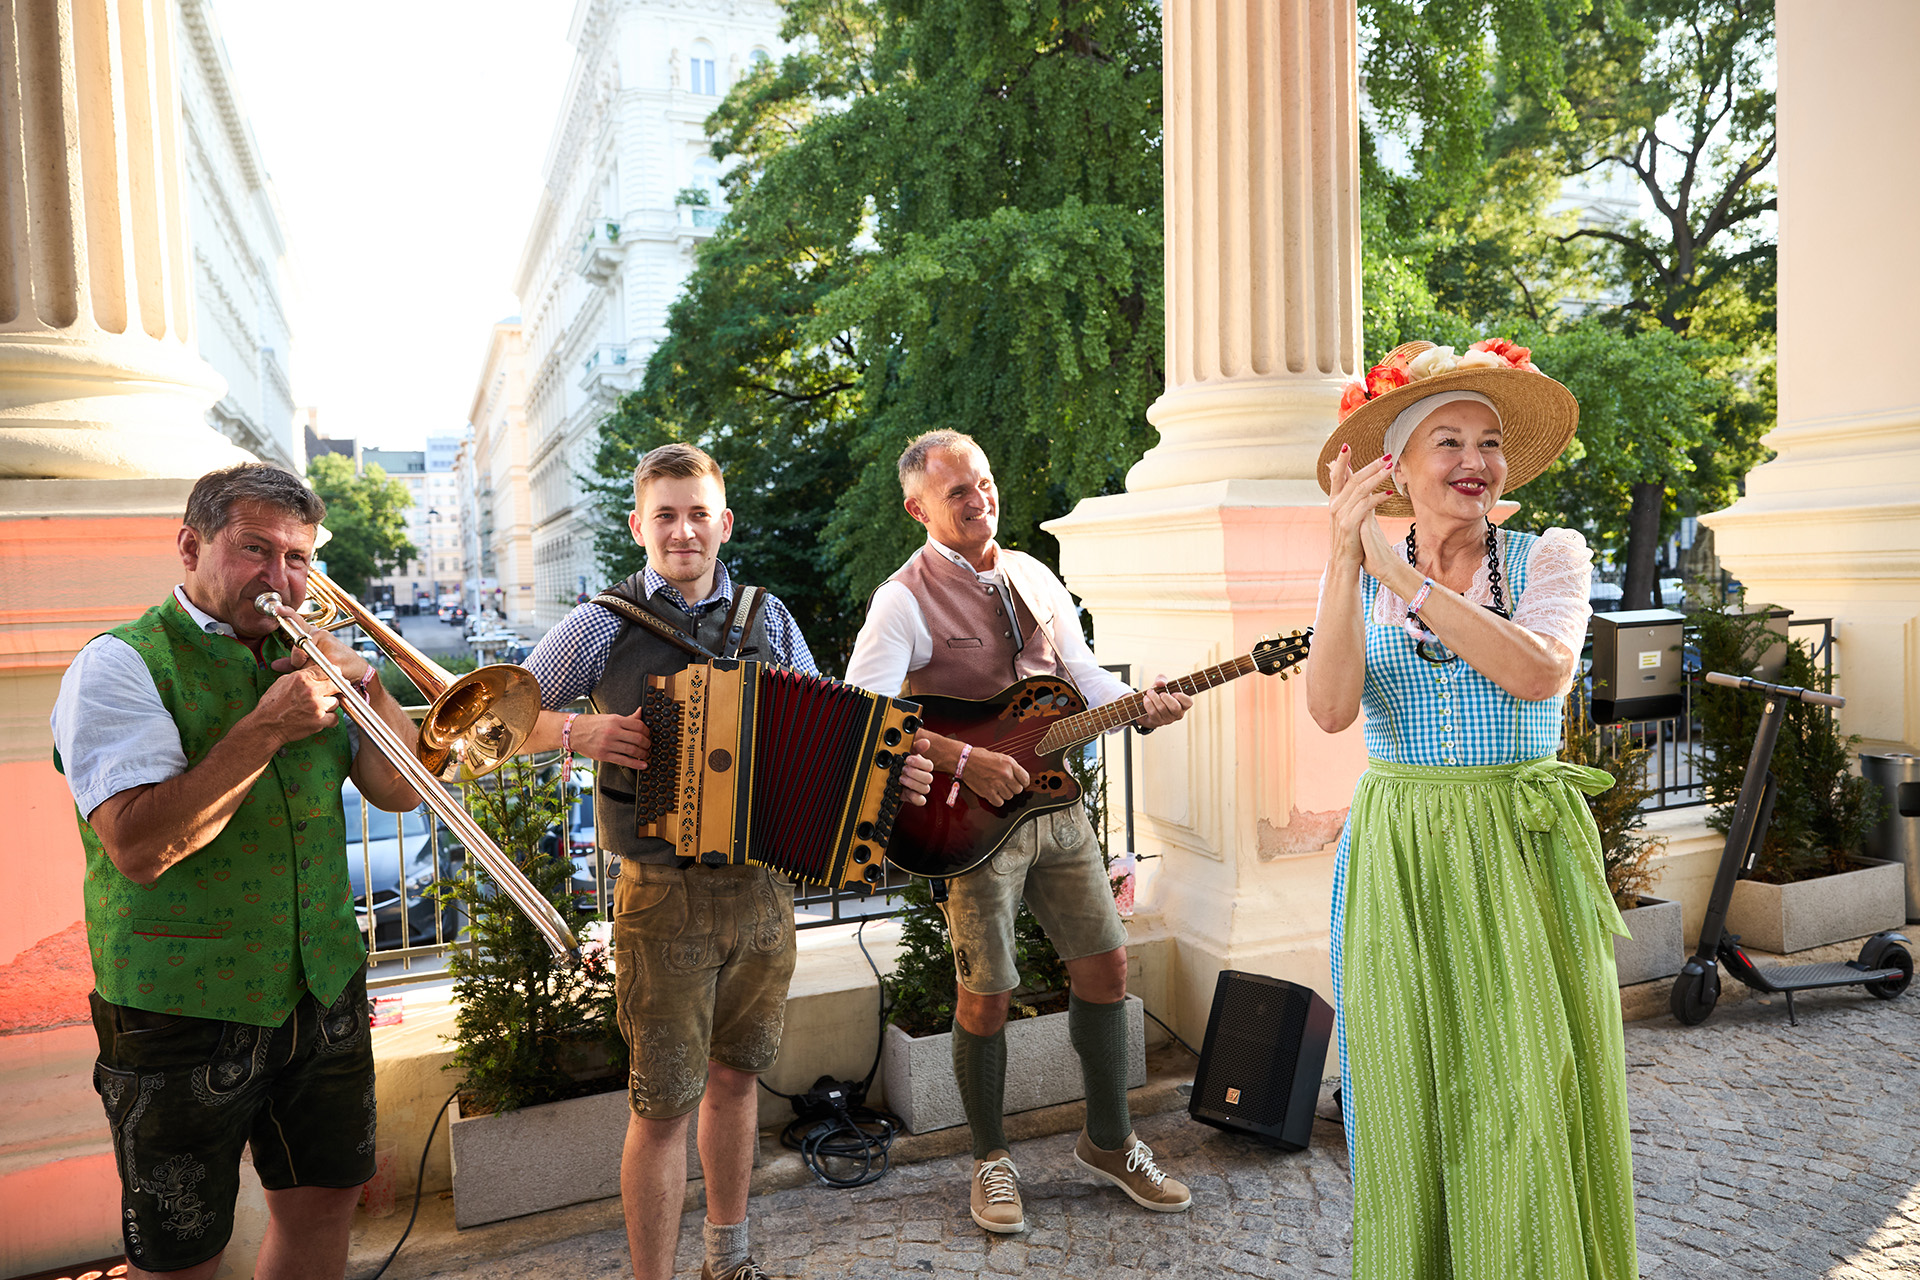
[{"x": 1076, "y": 730}]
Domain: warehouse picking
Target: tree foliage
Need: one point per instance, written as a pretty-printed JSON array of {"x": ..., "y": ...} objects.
[
  {"x": 944, "y": 213},
  {"x": 1498, "y": 105},
  {"x": 366, "y": 514}
]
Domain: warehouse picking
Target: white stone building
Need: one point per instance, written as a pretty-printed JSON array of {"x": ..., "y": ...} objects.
[
  {"x": 613, "y": 238},
  {"x": 497, "y": 524},
  {"x": 433, "y": 522},
  {"x": 241, "y": 275}
]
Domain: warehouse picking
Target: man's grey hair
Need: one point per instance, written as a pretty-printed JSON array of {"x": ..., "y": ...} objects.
[
  {"x": 913, "y": 462},
  {"x": 210, "y": 505}
]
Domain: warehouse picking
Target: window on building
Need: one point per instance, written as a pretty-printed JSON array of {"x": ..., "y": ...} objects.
[{"x": 703, "y": 76}]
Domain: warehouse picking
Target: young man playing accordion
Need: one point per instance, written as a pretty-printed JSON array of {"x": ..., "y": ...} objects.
[{"x": 703, "y": 954}]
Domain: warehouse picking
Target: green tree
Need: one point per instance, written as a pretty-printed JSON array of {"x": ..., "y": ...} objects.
[
  {"x": 1676, "y": 95},
  {"x": 946, "y": 213},
  {"x": 366, "y": 514}
]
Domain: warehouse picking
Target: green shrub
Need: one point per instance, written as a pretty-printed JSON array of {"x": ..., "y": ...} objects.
[
  {"x": 1625, "y": 851},
  {"x": 530, "y": 1027},
  {"x": 1823, "y": 810}
]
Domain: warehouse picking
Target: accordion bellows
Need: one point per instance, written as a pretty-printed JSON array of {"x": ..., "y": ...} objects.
[{"x": 761, "y": 764}]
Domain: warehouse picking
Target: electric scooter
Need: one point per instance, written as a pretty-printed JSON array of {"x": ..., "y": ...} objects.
[{"x": 1884, "y": 968}]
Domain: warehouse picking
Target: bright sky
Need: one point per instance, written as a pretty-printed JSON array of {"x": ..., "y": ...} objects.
[{"x": 405, "y": 139}]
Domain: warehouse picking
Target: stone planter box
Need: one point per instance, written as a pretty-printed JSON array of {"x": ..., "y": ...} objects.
[
  {"x": 1042, "y": 1069},
  {"x": 1785, "y": 918},
  {"x": 1657, "y": 948},
  {"x": 544, "y": 1157}
]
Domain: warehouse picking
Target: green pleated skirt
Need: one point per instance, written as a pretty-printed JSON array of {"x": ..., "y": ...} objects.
[{"x": 1485, "y": 1068}]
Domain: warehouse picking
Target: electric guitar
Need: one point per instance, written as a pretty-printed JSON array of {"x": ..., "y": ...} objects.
[{"x": 1036, "y": 721}]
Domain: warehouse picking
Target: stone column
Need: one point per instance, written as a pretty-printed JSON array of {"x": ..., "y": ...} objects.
[
  {"x": 1222, "y": 535},
  {"x": 1831, "y": 526},
  {"x": 98, "y": 374},
  {"x": 1262, "y": 239},
  {"x": 102, "y": 426}
]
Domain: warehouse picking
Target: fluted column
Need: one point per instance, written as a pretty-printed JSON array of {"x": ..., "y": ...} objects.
[
  {"x": 98, "y": 375},
  {"x": 1262, "y": 238}
]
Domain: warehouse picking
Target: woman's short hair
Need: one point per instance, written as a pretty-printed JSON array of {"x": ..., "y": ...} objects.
[
  {"x": 913, "y": 462},
  {"x": 210, "y": 505},
  {"x": 679, "y": 461}
]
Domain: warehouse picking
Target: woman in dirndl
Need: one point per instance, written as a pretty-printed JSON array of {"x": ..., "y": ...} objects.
[{"x": 1482, "y": 1064}]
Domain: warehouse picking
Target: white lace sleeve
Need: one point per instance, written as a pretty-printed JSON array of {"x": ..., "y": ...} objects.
[{"x": 1559, "y": 575}]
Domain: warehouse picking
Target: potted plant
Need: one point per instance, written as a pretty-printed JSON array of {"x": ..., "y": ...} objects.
[
  {"x": 1810, "y": 885},
  {"x": 916, "y": 1064},
  {"x": 1657, "y": 947},
  {"x": 540, "y": 1114}
]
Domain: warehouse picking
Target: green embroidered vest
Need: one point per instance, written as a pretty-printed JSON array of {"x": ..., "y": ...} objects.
[{"x": 242, "y": 928}]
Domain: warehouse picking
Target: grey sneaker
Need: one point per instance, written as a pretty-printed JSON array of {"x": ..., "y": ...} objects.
[
  {"x": 996, "y": 1195},
  {"x": 748, "y": 1270},
  {"x": 1132, "y": 1169}
]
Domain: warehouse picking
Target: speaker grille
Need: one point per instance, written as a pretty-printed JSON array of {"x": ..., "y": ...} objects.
[{"x": 1255, "y": 1051}]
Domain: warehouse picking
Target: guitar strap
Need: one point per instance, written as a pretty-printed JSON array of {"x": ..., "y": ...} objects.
[{"x": 743, "y": 614}]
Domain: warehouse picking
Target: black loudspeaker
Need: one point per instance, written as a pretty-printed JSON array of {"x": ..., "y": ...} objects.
[{"x": 1262, "y": 1060}]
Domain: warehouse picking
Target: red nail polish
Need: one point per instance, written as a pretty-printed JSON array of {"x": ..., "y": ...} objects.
[{"x": 1386, "y": 457}]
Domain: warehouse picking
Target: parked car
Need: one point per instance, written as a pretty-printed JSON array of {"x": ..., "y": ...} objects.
[
  {"x": 384, "y": 614},
  {"x": 399, "y": 892},
  {"x": 587, "y": 859},
  {"x": 457, "y": 616}
]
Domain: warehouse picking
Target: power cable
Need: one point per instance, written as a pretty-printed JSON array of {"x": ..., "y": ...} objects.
[{"x": 419, "y": 1184}]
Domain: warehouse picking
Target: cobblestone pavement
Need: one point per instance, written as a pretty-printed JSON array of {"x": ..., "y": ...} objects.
[{"x": 1761, "y": 1150}]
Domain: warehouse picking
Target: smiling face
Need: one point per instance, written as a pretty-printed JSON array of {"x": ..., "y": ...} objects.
[
  {"x": 956, "y": 500},
  {"x": 683, "y": 522},
  {"x": 1453, "y": 467},
  {"x": 261, "y": 548}
]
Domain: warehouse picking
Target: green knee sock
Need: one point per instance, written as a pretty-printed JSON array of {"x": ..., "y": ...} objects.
[
  {"x": 980, "y": 1068},
  {"x": 1099, "y": 1036}
]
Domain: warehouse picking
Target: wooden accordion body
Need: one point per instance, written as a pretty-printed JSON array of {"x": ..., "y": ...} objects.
[{"x": 757, "y": 763}]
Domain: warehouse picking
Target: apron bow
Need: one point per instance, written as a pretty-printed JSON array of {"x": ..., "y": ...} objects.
[{"x": 1539, "y": 800}]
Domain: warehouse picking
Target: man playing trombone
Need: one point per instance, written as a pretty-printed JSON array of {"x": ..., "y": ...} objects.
[{"x": 206, "y": 759}]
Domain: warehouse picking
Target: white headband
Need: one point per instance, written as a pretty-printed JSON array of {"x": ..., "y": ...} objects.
[{"x": 1416, "y": 413}]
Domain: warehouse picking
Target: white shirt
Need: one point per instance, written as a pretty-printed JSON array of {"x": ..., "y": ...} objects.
[
  {"x": 895, "y": 641},
  {"x": 111, "y": 729}
]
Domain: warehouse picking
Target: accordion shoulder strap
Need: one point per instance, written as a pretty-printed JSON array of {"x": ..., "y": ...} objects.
[
  {"x": 749, "y": 605},
  {"x": 647, "y": 618}
]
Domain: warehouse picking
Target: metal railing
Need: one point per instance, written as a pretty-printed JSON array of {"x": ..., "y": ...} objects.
[
  {"x": 409, "y": 932},
  {"x": 1676, "y": 756}
]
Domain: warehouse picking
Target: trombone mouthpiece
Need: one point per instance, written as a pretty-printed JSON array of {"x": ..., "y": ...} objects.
[{"x": 268, "y": 602}]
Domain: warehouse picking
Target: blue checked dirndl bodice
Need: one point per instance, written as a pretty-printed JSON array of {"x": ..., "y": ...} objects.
[{"x": 1418, "y": 712}]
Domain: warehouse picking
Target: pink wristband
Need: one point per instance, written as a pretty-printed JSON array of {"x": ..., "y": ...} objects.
[
  {"x": 953, "y": 794},
  {"x": 566, "y": 742},
  {"x": 365, "y": 682},
  {"x": 1414, "y": 629}
]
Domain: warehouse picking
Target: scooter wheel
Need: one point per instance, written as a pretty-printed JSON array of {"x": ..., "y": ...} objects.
[
  {"x": 1888, "y": 988},
  {"x": 1694, "y": 995}
]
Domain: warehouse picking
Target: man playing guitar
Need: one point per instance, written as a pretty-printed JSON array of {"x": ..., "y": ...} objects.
[{"x": 965, "y": 617}]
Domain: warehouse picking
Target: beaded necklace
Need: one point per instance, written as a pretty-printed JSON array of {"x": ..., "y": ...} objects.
[{"x": 1424, "y": 636}]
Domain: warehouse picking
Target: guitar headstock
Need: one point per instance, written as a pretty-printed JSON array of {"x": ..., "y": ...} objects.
[{"x": 1276, "y": 655}]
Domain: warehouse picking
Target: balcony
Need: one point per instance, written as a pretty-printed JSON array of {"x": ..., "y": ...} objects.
[
  {"x": 607, "y": 370},
  {"x": 601, "y": 251}
]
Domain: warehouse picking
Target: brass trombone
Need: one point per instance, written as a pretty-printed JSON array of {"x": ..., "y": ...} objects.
[{"x": 477, "y": 722}]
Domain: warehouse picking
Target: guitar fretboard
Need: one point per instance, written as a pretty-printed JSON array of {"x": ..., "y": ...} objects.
[{"x": 1088, "y": 725}]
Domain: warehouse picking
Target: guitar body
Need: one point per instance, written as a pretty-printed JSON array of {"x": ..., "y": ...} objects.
[{"x": 940, "y": 842}]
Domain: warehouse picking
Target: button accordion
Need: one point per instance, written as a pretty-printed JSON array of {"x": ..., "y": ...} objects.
[{"x": 757, "y": 763}]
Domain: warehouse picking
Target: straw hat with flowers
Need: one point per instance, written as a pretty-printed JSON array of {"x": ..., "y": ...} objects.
[{"x": 1537, "y": 414}]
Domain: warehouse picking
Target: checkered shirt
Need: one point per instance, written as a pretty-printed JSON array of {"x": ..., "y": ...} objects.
[{"x": 569, "y": 662}]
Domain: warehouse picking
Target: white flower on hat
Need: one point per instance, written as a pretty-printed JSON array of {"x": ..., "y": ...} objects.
[
  {"x": 1482, "y": 360},
  {"x": 1431, "y": 361}
]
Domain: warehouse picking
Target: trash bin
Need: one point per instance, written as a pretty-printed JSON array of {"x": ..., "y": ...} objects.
[{"x": 1896, "y": 837}]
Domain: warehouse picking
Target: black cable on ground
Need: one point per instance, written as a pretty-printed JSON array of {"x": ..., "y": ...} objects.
[
  {"x": 419, "y": 1183},
  {"x": 1171, "y": 1032},
  {"x": 832, "y": 1124}
]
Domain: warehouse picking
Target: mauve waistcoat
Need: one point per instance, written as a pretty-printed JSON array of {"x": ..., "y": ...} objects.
[
  {"x": 975, "y": 654},
  {"x": 636, "y": 654}
]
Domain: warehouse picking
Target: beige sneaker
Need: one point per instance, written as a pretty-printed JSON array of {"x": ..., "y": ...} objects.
[
  {"x": 996, "y": 1195},
  {"x": 1132, "y": 1169}
]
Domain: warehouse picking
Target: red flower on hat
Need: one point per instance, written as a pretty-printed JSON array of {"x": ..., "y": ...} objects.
[
  {"x": 1352, "y": 398},
  {"x": 1383, "y": 378},
  {"x": 1516, "y": 356}
]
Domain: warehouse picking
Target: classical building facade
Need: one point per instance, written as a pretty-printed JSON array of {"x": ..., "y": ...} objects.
[
  {"x": 433, "y": 522},
  {"x": 241, "y": 276},
  {"x": 497, "y": 521},
  {"x": 630, "y": 190}
]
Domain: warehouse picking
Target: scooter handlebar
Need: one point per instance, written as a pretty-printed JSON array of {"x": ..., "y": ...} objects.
[{"x": 1814, "y": 696}]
